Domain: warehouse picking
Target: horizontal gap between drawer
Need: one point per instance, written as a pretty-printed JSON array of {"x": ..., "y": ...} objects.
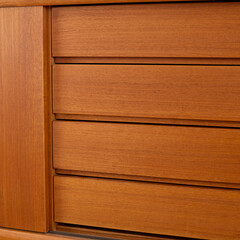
[
  {"x": 139, "y": 120},
  {"x": 148, "y": 61},
  {"x": 128, "y": 2},
  {"x": 105, "y": 233},
  {"x": 148, "y": 179}
]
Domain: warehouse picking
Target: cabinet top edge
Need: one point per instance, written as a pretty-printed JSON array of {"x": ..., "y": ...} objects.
[{"x": 23, "y": 3}]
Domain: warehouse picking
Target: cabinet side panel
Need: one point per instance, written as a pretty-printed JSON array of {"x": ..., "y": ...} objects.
[{"x": 23, "y": 192}]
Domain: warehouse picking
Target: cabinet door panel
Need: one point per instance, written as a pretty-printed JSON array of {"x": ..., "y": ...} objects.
[{"x": 23, "y": 194}]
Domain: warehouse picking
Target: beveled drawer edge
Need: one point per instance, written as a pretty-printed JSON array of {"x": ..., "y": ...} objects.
[
  {"x": 24, "y": 3},
  {"x": 144, "y": 60},
  {"x": 65, "y": 172},
  {"x": 164, "y": 121},
  {"x": 110, "y": 234}
]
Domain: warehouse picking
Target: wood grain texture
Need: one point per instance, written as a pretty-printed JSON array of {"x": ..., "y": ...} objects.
[
  {"x": 180, "y": 92},
  {"x": 185, "y": 211},
  {"x": 192, "y": 153},
  {"x": 20, "y": 3},
  {"x": 7, "y": 234},
  {"x": 23, "y": 120},
  {"x": 202, "y": 30}
]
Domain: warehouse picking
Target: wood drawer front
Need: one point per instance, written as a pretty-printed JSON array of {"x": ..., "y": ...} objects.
[
  {"x": 181, "y": 92},
  {"x": 147, "y": 207},
  {"x": 206, "y": 30},
  {"x": 190, "y": 153}
]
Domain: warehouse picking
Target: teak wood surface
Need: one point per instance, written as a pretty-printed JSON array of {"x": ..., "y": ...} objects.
[
  {"x": 190, "y": 153},
  {"x": 8, "y": 234},
  {"x": 21, "y": 3},
  {"x": 113, "y": 234},
  {"x": 168, "y": 121},
  {"x": 175, "y": 210},
  {"x": 180, "y": 92},
  {"x": 152, "y": 61},
  {"x": 190, "y": 30},
  {"x": 23, "y": 116},
  {"x": 164, "y": 33}
]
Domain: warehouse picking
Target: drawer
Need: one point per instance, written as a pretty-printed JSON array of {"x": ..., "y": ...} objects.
[
  {"x": 189, "y": 30},
  {"x": 186, "y": 211},
  {"x": 181, "y": 92},
  {"x": 189, "y": 153}
]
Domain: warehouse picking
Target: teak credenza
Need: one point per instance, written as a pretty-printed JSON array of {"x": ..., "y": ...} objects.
[{"x": 119, "y": 119}]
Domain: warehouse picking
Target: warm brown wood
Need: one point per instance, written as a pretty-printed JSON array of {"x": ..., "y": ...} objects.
[
  {"x": 96, "y": 232},
  {"x": 7, "y": 234},
  {"x": 191, "y": 61},
  {"x": 23, "y": 120},
  {"x": 191, "y": 153},
  {"x": 148, "y": 179},
  {"x": 181, "y": 92},
  {"x": 151, "y": 30},
  {"x": 187, "y": 122},
  {"x": 51, "y": 116},
  {"x": 20, "y": 3},
  {"x": 185, "y": 211}
]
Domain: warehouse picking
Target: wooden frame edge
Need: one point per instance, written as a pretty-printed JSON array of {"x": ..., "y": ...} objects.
[
  {"x": 10, "y": 234},
  {"x": 24, "y": 3}
]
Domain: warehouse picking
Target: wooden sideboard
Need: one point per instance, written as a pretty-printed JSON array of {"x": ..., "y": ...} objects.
[{"x": 119, "y": 119}]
